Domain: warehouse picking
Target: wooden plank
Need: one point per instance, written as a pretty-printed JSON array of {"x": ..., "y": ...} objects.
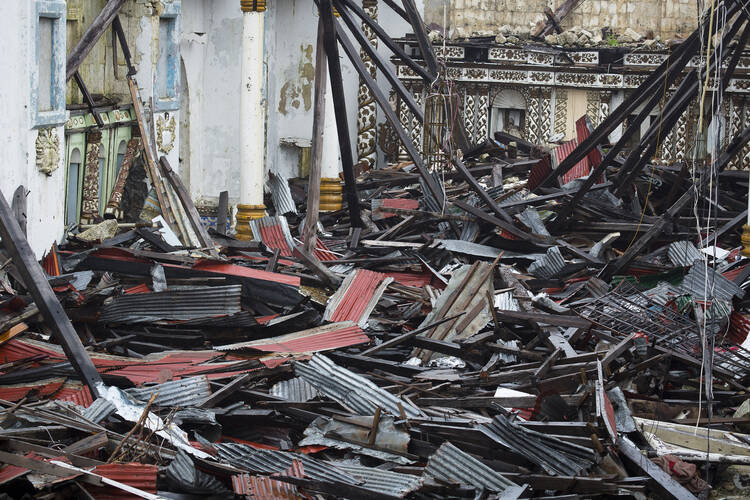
[
  {"x": 18, "y": 205},
  {"x": 342, "y": 119},
  {"x": 547, "y": 319},
  {"x": 225, "y": 391},
  {"x": 661, "y": 480},
  {"x": 45, "y": 299},
  {"x": 314, "y": 265},
  {"x": 92, "y": 34},
  {"x": 187, "y": 204},
  {"x": 309, "y": 235},
  {"x": 222, "y": 213}
]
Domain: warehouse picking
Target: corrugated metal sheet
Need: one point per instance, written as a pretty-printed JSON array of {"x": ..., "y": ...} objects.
[
  {"x": 538, "y": 173},
  {"x": 136, "y": 475},
  {"x": 580, "y": 169},
  {"x": 584, "y": 127},
  {"x": 185, "y": 392},
  {"x": 739, "y": 327},
  {"x": 683, "y": 253},
  {"x": 356, "y": 297},
  {"x": 411, "y": 279},
  {"x": 704, "y": 285},
  {"x": 99, "y": 410},
  {"x": 274, "y": 232},
  {"x": 555, "y": 456},
  {"x": 531, "y": 219},
  {"x": 322, "y": 252},
  {"x": 349, "y": 389},
  {"x": 451, "y": 464},
  {"x": 245, "y": 272},
  {"x": 295, "y": 389},
  {"x": 266, "y": 488},
  {"x": 387, "y": 482},
  {"x": 380, "y": 206},
  {"x": 258, "y": 461},
  {"x": 549, "y": 265},
  {"x": 181, "y": 472},
  {"x": 506, "y": 302},
  {"x": 198, "y": 302},
  {"x": 57, "y": 389},
  {"x": 281, "y": 195},
  {"x": 322, "y": 338},
  {"x": 466, "y": 293}
]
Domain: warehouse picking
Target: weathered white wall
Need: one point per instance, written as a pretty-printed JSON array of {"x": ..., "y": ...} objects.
[
  {"x": 210, "y": 50},
  {"x": 45, "y": 201}
]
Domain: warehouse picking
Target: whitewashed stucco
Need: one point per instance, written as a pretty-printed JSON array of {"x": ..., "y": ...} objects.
[{"x": 45, "y": 200}]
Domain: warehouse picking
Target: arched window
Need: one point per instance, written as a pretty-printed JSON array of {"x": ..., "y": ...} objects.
[
  {"x": 72, "y": 193},
  {"x": 508, "y": 112}
]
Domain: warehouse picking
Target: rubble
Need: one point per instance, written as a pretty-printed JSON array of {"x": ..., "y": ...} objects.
[{"x": 526, "y": 320}]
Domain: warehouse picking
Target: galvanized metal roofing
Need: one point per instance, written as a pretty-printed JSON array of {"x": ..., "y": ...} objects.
[
  {"x": 281, "y": 194},
  {"x": 702, "y": 282},
  {"x": 549, "y": 265},
  {"x": 555, "y": 456},
  {"x": 451, "y": 464},
  {"x": 184, "y": 392},
  {"x": 531, "y": 219},
  {"x": 197, "y": 302},
  {"x": 351, "y": 390},
  {"x": 270, "y": 461},
  {"x": 356, "y": 297},
  {"x": 381, "y": 480},
  {"x": 321, "y": 338},
  {"x": 683, "y": 253},
  {"x": 183, "y": 474},
  {"x": 295, "y": 389}
]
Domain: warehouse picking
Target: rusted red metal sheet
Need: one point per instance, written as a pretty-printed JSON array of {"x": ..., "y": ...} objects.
[
  {"x": 380, "y": 206},
  {"x": 142, "y": 288},
  {"x": 583, "y": 131},
  {"x": 411, "y": 279},
  {"x": 539, "y": 172},
  {"x": 317, "y": 339},
  {"x": 739, "y": 327},
  {"x": 245, "y": 272},
  {"x": 357, "y": 296},
  {"x": 136, "y": 475},
  {"x": 581, "y": 169},
  {"x": 266, "y": 488}
]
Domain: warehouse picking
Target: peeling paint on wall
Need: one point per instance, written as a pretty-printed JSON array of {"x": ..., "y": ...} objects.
[{"x": 297, "y": 91}]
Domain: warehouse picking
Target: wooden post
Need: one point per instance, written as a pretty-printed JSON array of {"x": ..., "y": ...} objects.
[
  {"x": 45, "y": 299},
  {"x": 342, "y": 120},
  {"x": 316, "y": 153}
]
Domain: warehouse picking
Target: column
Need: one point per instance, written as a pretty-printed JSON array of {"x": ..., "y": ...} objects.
[
  {"x": 367, "y": 112},
  {"x": 252, "y": 118},
  {"x": 331, "y": 190}
]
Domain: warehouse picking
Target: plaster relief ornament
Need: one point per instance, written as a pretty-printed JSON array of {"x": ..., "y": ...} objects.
[
  {"x": 163, "y": 126},
  {"x": 47, "y": 151}
]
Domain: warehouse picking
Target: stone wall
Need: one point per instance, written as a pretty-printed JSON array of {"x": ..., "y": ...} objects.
[{"x": 666, "y": 18}]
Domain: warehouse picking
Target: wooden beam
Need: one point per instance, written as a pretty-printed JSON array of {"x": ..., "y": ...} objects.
[
  {"x": 91, "y": 36},
  {"x": 45, "y": 299},
  {"x": 342, "y": 120},
  {"x": 309, "y": 235}
]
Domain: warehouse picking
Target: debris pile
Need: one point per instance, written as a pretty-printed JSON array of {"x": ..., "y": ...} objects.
[{"x": 520, "y": 321}]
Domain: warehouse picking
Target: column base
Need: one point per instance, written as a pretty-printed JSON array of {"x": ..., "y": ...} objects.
[
  {"x": 246, "y": 213},
  {"x": 331, "y": 194},
  {"x": 745, "y": 241}
]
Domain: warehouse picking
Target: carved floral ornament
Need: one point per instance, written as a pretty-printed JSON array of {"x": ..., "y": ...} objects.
[
  {"x": 47, "y": 151},
  {"x": 165, "y": 125}
]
